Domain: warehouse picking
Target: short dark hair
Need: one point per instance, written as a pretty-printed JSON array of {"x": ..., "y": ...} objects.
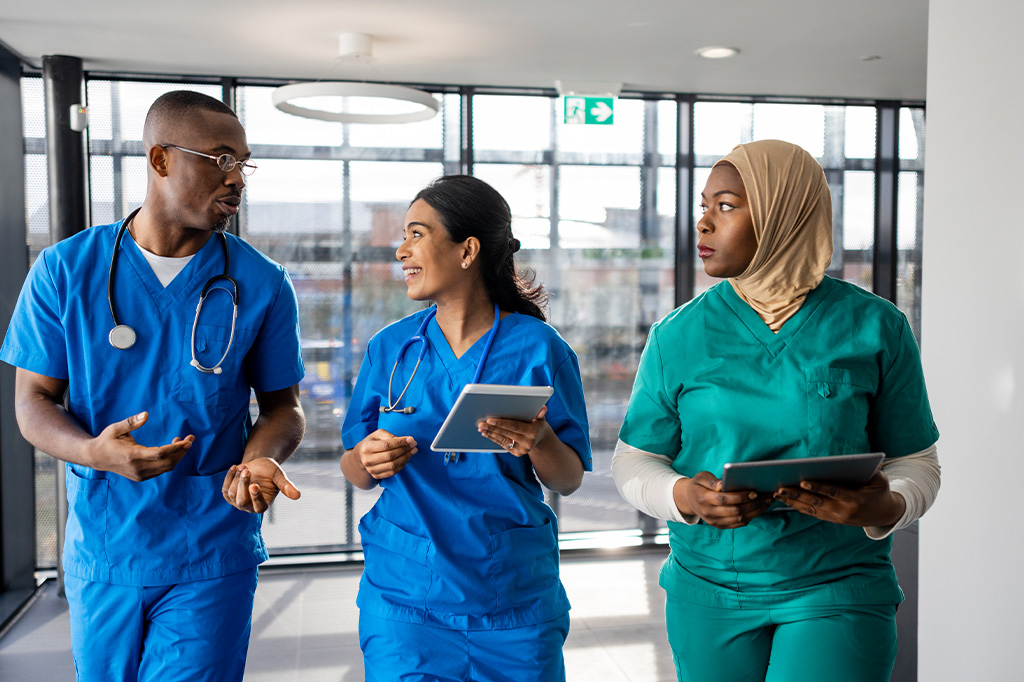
[
  {"x": 173, "y": 107},
  {"x": 469, "y": 207}
]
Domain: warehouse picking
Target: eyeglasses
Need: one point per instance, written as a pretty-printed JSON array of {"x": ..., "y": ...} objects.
[{"x": 225, "y": 162}]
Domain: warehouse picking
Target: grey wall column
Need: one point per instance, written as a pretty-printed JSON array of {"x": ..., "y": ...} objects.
[
  {"x": 685, "y": 164},
  {"x": 67, "y": 170},
  {"x": 17, "y": 493},
  {"x": 67, "y": 179},
  {"x": 887, "y": 156}
]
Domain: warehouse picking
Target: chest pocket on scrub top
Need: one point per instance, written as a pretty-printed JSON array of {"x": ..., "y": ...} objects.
[
  {"x": 208, "y": 388},
  {"x": 838, "y": 403}
]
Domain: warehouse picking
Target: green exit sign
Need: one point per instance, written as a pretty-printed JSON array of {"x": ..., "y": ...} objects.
[{"x": 589, "y": 110}]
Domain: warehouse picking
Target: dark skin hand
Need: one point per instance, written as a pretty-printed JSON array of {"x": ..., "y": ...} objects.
[
  {"x": 254, "y": 484},
  {"x": 702, "y": 496},
  {"x": 46, "y": 424},
  {"x": 873, "y": 505}
]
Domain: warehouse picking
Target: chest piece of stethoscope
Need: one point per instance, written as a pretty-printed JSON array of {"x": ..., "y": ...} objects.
[{"x": 122, "y": 337}]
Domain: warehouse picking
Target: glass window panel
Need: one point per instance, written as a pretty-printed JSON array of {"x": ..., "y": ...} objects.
[
  {"x": 511, "y": 123},
  {"x": 624, "y": 136},
  {"x": 33, "y": 108},
  {"x": 101, "y": 188},
  {"x": 909, "y": 236},
  {"x": 861, "y": 124},
  {"x": 857, "y": 228},
  {"x": 802, "y": 124},
  {"x": 912, "y": 135},
  {"x": 266, "y": 124},
  {"x": 606, "y": 291},
  {"x": 668, "y": 128},
  {"x": 130, "y": 101},
  {"x": 720, "y": 126},
  {"x": 427, "y": 134},
  {"x": 527, "y": 189}
]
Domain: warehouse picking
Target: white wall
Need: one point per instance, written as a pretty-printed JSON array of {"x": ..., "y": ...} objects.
[{"x": 972, "y": 542}]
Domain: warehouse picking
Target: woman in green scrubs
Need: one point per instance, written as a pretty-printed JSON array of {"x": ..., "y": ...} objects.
[{"x": 778, "y": 361}]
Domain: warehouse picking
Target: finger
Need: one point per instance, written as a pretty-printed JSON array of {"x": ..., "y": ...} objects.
[
  {"x": 130, "y": 424},
  {"x": 243, "y": 498},
  {"x": 259, "y": 502},
  {"x": 285, "y": 485},
  {"x": 229, "y": 483},
  {"x": 540, "y": 415},
  {"x": 826, "y": 490}
]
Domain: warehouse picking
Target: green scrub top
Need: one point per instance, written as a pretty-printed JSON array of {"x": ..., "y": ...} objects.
[{"x": 716, "y": 385}]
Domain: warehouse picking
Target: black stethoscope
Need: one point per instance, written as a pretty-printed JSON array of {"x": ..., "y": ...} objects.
[
  {"x": 123, "y": 337},
  {"x": 421, "y": 338}
]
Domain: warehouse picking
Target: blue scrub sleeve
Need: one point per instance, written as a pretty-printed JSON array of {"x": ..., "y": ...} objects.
[
  {"x": 900, "y": 419},
  {"x": 567, "y": 410},
  {"x": 652, "y": 417},
  {"x": 36, "y": 340},
  {"x": 274, "y": 361},
  {"x": 363, "y": 411}
]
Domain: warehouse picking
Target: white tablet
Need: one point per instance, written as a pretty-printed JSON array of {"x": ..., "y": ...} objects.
[
  {"x": 478, "y": 402},
  {"x": 764, "y": 477}
]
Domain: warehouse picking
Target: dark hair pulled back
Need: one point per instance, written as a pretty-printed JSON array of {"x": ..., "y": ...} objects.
[{"x": 469, "y": 207}]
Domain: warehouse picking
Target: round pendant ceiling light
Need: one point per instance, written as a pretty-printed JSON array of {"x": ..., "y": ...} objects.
[{"x": 356, "y": 102}]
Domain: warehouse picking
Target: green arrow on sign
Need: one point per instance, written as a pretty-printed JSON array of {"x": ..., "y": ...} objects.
[{"x": 590, "y": 110}]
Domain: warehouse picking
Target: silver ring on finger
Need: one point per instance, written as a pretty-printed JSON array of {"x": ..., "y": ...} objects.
[{"x": 512, "y": 444}]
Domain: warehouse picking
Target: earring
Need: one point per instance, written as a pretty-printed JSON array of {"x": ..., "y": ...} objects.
[{"x": 465, "y": 265}]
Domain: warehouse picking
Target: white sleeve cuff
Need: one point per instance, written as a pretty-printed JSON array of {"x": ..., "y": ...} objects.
[
  {"x": 646, "y": 481},
  {"x": 916, "y": 478}
]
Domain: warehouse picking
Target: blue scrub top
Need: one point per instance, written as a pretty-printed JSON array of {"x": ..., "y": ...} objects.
[
  {"x": 716, "y": 385},
  {"x": 469, "y": 544},
  {"x": 175, "y": 527}
]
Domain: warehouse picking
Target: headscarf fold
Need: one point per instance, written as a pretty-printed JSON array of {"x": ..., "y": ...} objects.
[{"x": 791, "y": 209}]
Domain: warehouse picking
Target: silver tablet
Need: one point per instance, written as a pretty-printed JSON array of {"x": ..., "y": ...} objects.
[
  {"x": 478, "y": 402},
  {"x": 764, "y": 477}
]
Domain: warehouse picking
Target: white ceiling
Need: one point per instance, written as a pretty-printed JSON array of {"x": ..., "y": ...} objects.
[{"x": 789, "y": 47}]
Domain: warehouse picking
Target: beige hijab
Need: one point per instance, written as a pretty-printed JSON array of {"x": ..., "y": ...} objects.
[{"x": 791, "y": 209}]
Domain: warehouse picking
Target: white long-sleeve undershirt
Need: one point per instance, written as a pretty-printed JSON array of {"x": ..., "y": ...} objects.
[{"x": 646, "y": 481}]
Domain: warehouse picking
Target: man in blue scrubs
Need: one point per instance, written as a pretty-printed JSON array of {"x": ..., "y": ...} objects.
[{"x": 167, "y": 475}]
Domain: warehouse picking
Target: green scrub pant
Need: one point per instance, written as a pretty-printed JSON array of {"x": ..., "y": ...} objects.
[{"x": 851, "y": 643}]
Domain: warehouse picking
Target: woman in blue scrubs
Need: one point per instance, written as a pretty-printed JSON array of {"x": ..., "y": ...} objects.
[
  {"x": 777, "y": 362},
  {"x": 461, "y": 574}
]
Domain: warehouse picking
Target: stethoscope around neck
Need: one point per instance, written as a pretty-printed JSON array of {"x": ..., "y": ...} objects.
[
  {"x": 420, "y": 337},
  {"x": 123, "y": 336}
]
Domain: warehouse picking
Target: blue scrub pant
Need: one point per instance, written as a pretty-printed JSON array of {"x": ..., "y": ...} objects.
[
  {"x": 196, "y": 631},
  {"x": 394, "y": 651},
  {"x": 852, "y": 643}
]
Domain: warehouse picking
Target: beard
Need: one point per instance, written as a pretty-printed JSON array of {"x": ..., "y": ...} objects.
[{"x": 222, "y": 224}]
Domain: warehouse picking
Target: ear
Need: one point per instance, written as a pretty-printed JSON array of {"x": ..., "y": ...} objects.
[
  {"x": 470, "y": 249},
  {"x": 157, "y": 158}
]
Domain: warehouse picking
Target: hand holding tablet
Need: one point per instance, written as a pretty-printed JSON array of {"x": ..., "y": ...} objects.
[{"x": 478, "y": 402}]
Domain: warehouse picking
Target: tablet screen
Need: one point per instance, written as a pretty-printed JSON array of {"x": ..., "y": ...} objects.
[
  {"x": 846, "y": 470},
  {"x": 482, "y": 401}
]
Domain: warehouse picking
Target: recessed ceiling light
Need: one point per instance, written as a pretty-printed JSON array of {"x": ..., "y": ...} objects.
[{"x": 717, "y": 52}]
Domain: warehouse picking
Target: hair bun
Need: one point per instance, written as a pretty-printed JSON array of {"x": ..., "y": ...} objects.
[{"x": 514, "y": 244}]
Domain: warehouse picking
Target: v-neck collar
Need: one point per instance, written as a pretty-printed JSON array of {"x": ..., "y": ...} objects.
[
  {"x": 458, "y": 366},
  {"x": 196, "y": 268},
  {"x": 774, "y": 343}
]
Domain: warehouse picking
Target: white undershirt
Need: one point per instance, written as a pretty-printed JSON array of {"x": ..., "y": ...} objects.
[
  {"x": 165, "y": 268},
  {"x": 646, "y": 480}
]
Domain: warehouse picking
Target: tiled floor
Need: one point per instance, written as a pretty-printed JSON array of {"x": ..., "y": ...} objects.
[{"x": 304, "y": 626}]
